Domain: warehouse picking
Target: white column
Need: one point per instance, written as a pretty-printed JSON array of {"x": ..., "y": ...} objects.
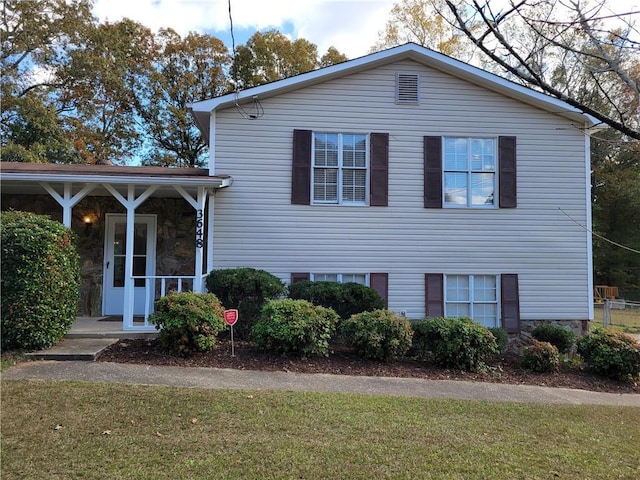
[
  {"x": 66, "y": 200},
  {"x": 199, "y": 239}
]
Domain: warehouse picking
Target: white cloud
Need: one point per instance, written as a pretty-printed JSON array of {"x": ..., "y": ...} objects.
[{"x": 351, "y": 26}]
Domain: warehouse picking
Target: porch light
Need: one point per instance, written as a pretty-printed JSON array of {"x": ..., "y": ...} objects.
[{"x": 87, "y": 225}]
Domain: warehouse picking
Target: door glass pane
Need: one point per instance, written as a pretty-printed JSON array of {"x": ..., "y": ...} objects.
[
  {"x": 118, "y": 271},
  {"x": 140, "y": 239},
  {"x": 119, "y": 239},
  {"x": 139, "y": 270}
]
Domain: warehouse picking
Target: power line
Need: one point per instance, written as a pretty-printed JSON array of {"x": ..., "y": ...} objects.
[{"x": 598, "y": 235}]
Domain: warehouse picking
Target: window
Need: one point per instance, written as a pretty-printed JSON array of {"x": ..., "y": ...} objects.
[
  {"x": 473, "y": 296},
  {"x": 360, "y": 278},
  {"x": 339, "y": 173},
  {"x": 469, "y": 172}
]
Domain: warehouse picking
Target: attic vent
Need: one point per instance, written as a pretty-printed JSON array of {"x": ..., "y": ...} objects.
[{"x": 407, "y": 88}]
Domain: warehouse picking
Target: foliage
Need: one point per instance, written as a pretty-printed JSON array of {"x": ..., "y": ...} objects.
[
  {"x": 379, "y": 335},
  {"x": 40, "y": 281},
  {"x": 345, "y": 299},
  {"x": 611, "y": 354},
  {"x": 425, "y": 22},
  {"x": 501, "y": 336},
  {"x": 183, "y": 70},
  {"x": 247, "y": 290},
  {"x": 540, "y": 357},
  {"x": 188, "y": 322},
  {"x": 566, "y": 52},
  {"x": 562, "y": 338},
  {"x": 269, "y": 56},
  {"x": 458, "y": 343},
  {"x": 294, "y": 327}
]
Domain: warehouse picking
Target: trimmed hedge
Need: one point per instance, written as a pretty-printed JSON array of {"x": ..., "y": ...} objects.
[
  {"x": 188, "y": 322},
  {"x": 611, "y": 354},
  {"x": 294, "y": 327},
  {"x": 379, "y": 335},
  {"x": 345, "y": 299},
  {"x": 561, "y": 337},
  {"x": 40, "y": 281},
  {"x": 540, "y": 357},
  {"x": 458, "y": 343},
  {"x": 247, "y": 290}
]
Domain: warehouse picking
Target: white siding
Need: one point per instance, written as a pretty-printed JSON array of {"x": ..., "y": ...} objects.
[{"x": 257, "y": 226}]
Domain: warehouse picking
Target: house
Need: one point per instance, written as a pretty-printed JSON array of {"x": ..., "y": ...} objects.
[{"x": 447, "y": 189}]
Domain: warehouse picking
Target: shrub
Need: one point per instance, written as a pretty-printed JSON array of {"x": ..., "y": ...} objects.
[
  {"x": 458, "y": 343},
  {"x": 561, "y": 337},
  {"x": 40, "y": 281},
  {"x": 294, "y": 326},
  {"x": 345, "y": 299},
  {"x": 379, "y": 335},
  {"x": 188, "y": 322},
  {"x": 502, "y": 339},
  {"x": 247, "y": 290},
  {"x": 540, "y": 357},
  {"x": 612, "y": 354}
]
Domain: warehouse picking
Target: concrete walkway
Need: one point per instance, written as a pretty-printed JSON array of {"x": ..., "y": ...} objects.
[{"x": 104, "y": 372}]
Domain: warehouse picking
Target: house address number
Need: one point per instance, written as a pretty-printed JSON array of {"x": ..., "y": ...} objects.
[{"x": 199, "y": 228}]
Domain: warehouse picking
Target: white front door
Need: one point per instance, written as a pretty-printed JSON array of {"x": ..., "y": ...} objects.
[{"x": 144, "y": 257}]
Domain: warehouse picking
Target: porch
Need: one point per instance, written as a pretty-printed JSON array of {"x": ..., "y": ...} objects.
[{"x": 89, "y": 337}]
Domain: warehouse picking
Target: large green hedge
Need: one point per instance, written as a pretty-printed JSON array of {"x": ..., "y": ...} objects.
[
  {"x": 345, "y": 299},
  {"x": 247, "y": 290},
  {"x": 40, "y": 281}
]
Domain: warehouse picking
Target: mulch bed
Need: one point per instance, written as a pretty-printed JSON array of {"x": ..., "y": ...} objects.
[{"x": 343, "y": 361}]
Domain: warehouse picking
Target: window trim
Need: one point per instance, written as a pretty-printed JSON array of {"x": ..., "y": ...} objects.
[
  {"x": 469, "y": 173},
  {"x": 340, "y": 167},
  {"x": 312, "y": 277},
  {"x": 497, "y": 302}
]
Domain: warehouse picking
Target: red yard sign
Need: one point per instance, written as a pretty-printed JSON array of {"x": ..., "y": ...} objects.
[{"x": 231, "y": 316}]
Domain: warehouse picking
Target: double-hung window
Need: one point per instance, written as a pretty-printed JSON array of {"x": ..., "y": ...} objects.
[
  {"x": 340, "y": 168},
  {"x": 360, "y": 278},
  {"x": 473, "y": 296},
  {"x": 469, "y": 172}
]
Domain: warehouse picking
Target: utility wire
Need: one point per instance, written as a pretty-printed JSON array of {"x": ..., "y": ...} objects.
[{"x": 598, "y": 235}]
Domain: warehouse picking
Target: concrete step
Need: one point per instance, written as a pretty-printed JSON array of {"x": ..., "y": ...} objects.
[{"x": 88, "y": 349}]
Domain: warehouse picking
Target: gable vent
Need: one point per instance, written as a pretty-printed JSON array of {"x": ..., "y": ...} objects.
[{"x": 407, "y": 88}]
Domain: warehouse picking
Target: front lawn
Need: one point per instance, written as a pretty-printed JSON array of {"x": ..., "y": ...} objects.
[{"x": 67, "y": 430}]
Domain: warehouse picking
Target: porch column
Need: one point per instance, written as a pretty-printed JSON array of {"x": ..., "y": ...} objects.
[
  {"x": 210, "y": 213},
  {"x": 130, "y": 203},
  {"x": 199, "y": 205},
  {"x": 66, "y": 200}
]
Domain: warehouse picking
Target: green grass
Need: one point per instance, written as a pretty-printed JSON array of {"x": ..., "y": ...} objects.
[
  {"x": 626, "y": 320},
  {"x": 67, "y": 430},
  {"x": 9, "y": 359}
]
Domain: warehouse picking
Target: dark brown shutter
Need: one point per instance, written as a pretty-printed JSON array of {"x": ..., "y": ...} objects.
[
  {"x": 297, "y": 277},
  {"x": 432, "y": 172},
  {"x": 434, "y": 294},
  {"x": 380, "y": 283},
  {"x": 301, "y": 170},
  {"x": 507, "y": 172},
  {"x": 510, "y": 302},
  {"x": 379, "y": 175}
]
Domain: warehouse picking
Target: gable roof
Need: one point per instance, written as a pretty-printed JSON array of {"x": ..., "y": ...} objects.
[{"x": 410, "y": 51}]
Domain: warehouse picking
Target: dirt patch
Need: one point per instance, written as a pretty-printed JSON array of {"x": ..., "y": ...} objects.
[{"x": 343, "y": 361}]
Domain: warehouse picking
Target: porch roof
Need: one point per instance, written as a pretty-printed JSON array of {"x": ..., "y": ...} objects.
[{"x": 26, "y": 178}]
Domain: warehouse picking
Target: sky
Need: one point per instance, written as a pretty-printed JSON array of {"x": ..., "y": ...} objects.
[{"x": 352, "y": 26}]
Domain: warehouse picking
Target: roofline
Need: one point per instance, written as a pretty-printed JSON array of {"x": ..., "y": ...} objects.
[
  {"x": 217, "y": 181},
  {"x": 201, "y": 110}
]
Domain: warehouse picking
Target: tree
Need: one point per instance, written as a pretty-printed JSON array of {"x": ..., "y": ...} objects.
[
  {"x": 101, "y": 81},
  {"x": 423, "y": 22},
  {"x": 270, "y": 56},
  {"x": 35, "y": 36},
  {"x": 332, "y": 57},
  {"x": 564, "y": 33},
  {"x": 183, "y": 70}
]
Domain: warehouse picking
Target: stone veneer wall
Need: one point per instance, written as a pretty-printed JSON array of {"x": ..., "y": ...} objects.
[{"x": 175, "y": 247}]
